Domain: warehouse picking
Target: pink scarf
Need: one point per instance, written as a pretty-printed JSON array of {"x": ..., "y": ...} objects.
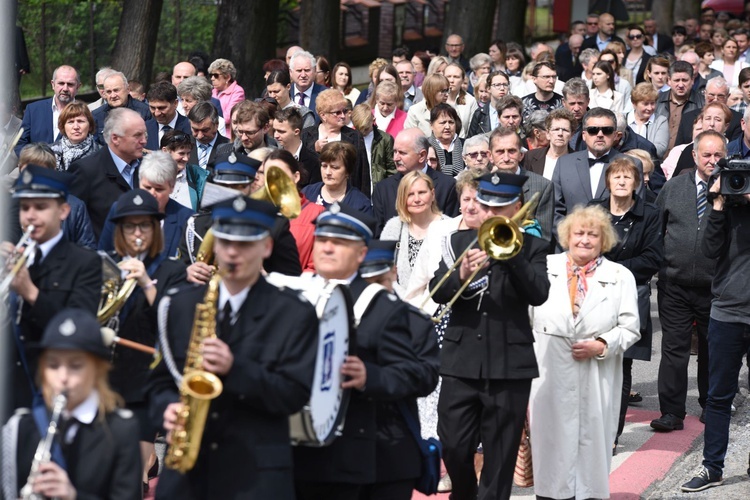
[{"x": 577, "y": 285}]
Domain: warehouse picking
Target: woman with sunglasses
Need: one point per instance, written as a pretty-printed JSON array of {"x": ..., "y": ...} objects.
[
  {"x": 191, "y": 178},
  {"x": 139, "y": 241},
  {"x": 637, "y": 57},
  {"x": 435, "y": 89},
  {"x": 226, "y": 89}
]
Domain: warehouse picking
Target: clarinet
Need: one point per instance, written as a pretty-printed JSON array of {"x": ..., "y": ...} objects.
[{"x": 44, "y": 449}]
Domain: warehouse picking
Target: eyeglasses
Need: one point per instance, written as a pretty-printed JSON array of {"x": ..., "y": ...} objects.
[
  {"x": 475, "y": 154},
  {"x": 247, "y": 133},
  {"x": 635, "y": 37},
  {"x": 500, "y": 85},
  {"x": 715, "y": 96},
  {"x": 144, "y": 227},
  {"x": 432, "y": 161},
  {"x": 454, "y": 45},
  {"x": 444, "y": 91},
  {"x": 603, "y": 130},
  {"x": 610, "y": 61},
  {"x": 338, "y": 112},
  {"x": 215, "y": 75},
  {"x": 100, "y": 86},
  {"x": 178, "y": 137}
]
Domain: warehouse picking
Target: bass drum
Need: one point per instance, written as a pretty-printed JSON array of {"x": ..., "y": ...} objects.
[{"x": 322, "y": 419}]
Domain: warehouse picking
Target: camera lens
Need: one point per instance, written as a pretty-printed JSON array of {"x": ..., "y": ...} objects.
[{"x": 737, "y": 182}]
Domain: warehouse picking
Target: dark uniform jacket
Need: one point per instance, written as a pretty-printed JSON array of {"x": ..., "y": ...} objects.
[
  {"x": 284, "y": 258},
  {"x": 489, "y": 335},
  {"x": 99, "y": 184},
  {"x": 245, "y": 451},
  {"x": 103, "y": 461},
  {"x": 138, "y": 323},
  {"x": 384, "y": 344}
]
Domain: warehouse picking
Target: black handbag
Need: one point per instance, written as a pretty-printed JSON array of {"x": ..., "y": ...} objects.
[{"x": 432, "y": 454}]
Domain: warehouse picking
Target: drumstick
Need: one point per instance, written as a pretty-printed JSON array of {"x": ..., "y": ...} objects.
[{"x": 110, "y": 337}]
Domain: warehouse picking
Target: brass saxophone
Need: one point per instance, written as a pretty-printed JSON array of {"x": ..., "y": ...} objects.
[{"x": 198, "y": 387}]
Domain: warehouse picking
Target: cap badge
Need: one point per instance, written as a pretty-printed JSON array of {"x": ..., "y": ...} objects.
[
  {"x": 232, "y": 158},
  {"x": 67, "y": 328},
  {"x": 239, "y": 205},
  {"x": 495, "y": 179},
  {"x": 28, "y": 177},
  {"x": 335, "y": 208},
  {"x": 138, "y": 200}
]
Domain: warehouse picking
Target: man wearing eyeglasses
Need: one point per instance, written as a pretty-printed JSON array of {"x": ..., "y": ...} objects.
[
  {"x": 605, "y": 34},
  {"x": 454, "y": 47},
  {"x": 412, "y": 94},
  {"x": 486, "y": 118},
  {"x": 545, "y": 98},
  {"x": 162, "y": 102},
  {"x": 100, "y": 76},
  {"x": 716, "y": 90},
  {"x": 579, "y": 177},
  {"x": 117, "y": 95},
  {"x": 250, "y": 124}
]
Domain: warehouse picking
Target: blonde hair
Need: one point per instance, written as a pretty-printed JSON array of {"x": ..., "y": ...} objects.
[
  {"x": 645, "y": 157},
  {"x": 593, "y": 216},
  {"x": 403, "y": 192}
]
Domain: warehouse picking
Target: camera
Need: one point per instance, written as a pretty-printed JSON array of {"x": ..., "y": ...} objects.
[{"x": 734, "y": 174}]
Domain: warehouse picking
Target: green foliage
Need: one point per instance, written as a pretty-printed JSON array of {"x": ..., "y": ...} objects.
[{"x": 195, "y": 31}]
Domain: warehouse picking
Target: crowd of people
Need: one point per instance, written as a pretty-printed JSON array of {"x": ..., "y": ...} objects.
[{"x": 497, "y": 221}]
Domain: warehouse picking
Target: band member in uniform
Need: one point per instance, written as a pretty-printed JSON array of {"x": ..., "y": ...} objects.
[
  {"x": 58, "y": 274},
  {"x": 487, "y": 359},
  {"x": 385, "y": 367},
  {"x": 264, "y": 356},
  {"x": 397, "y": 457},
  {"x": 139, "y": 244},
  {"x": 93, "y": 454},
  {"x": 237, "y": 171}
]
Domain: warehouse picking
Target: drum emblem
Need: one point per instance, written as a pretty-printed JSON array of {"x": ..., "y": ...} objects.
[{"x": 326, "y": 378}]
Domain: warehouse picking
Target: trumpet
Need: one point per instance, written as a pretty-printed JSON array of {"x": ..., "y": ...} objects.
[
  {"x": 18, "y": 259},
  {"x": 280, "y": 190},
  {"x": 501, "y": 238},
  {"x": 44, "y": 449}
]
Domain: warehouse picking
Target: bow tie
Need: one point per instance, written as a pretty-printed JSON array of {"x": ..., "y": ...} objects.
[{"x": 603, "y": 159}]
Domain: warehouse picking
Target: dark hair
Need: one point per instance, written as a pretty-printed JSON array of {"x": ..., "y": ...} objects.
[
  {"x": 175, "y": 139},
  {"x": 703, "y": 48},
  {"x": 401, "y": 52},
  {"x": 600, "y": 113},
  {"x": 542, "y": 64},
  {"x": 424, "y": 57},
  {"x": 340, "y": 150},
  {"x": 291, "y": 116},
  {"x": 501, "y": 46},
  {"x": 607, "y": 69},
  {"x": 270, "y": 104},
  {"x": 162, "y": 91},
  {"x": 681, "y": 67},
  {"x": 679, "y": 30},
  {"x": 279, "y": 76},
  {"x": 616, "y": 61},
  {"x": 743, "y": 76},
  {"x": 348, "y": 86},
  {"x": 445, "y": 109},
  {"x": 74, "y": 109},
  {"x": 275, "y": 65},
  {"x": 509, "y": 101},
  {"x": 285, "y": 156},
  {"x": 203, "y": 110},
  {"x": 636, "y": 27},
  {"x": 325, "y": 66}
]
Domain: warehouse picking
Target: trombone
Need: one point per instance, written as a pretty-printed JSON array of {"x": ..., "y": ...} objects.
[{"x": 500, "y": 237}]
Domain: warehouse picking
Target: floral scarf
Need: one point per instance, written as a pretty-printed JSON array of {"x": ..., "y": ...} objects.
[
  {"x": 577, "y": 285},
  {"x": 67, "y": 152}
]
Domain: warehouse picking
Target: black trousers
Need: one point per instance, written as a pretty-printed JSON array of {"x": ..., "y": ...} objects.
[
  {"x": 490, "y": 411},
  {"x": 679, "y": 307},
  {"x": 308, "y": 490},
  {"x": 393, "y": 490}
]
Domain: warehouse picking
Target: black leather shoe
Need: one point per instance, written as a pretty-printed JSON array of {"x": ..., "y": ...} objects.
[
  {"x": 704, "y": 480},
  {"x": 702, "y": 418},
  {"x": 668, "y": 423}
]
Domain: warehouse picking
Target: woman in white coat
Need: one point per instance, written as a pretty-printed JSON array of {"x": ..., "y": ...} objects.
[{"x": 581, "y": 332}]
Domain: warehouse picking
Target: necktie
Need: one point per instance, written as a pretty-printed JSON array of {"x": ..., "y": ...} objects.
[
  {"x": 166, "y": 128},
  {"x": 603, "y": 159},
  {"x": 203, "y": 157},
  {"x": 702, "y": 201},
  {"x": 301, "y": 99},
  {"x": 34, "y": 268},
  {"x": 225, "y": 325}
]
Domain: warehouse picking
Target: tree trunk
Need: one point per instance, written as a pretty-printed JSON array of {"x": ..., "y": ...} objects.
[
  {"x": 687, "y": 8},
  {"x": 136, "y": 39},
  {"x": 229, "y": 37},
  {"x": 472, "y": 19},
  {"x": 662, "y": 12},
  {"x": 320, "y": 27},
  {"x": 511, "y": 24}
]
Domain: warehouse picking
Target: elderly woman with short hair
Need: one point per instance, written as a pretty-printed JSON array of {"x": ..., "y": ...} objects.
[
  {"x": 196, "y": 89},
  {"x": 387, "y": 111},
  {"x": 77, "y": 141},
  {"x": 481, "y": 64},
  {"x": 644, "y": 121},
  {"x": 226, "y": 89},
  {"x": 476, "y": 154},
  {"x": 446, "y": 124},
  {"x": 581, "y": 333},
  {"x": 535, "y": 130}
]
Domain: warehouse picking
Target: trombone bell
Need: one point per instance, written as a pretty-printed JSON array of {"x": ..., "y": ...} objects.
[{"x": 280, "y": 190}]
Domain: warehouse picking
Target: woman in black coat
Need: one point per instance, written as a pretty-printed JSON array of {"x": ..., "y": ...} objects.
[{"x": 638, "y": 226}]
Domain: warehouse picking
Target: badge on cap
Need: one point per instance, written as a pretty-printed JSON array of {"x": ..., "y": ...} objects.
[
  {"x": 495, "y": 179},
  {"x": 232, "y": 158},
  {"x": 335, "y": 208},
  {"x": 239, "y": 205},
  {"x": 27, "y": 177},
  {"x": 138, "y": 200},
  {"x": 67, "y": 327}
]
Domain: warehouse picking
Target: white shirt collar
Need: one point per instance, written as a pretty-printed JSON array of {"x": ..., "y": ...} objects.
[
  {"x": 236, "y": 300},
  {"x": 47, "y": 246},
  {"x": 299, "y": 150},
  {"x": 171, "y": 124},
  {"x": 86, "y": 411},
  {"x": 591, "y": 155}
]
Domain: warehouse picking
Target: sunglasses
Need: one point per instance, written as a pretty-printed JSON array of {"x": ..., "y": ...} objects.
[
  {"x": 603, "y": 130},
  {"x": 475, "y": 154},
  {"x": 635, "y": 37},
  {"x": 179, "y": 137},
  {"x": 215, "y": 75}
]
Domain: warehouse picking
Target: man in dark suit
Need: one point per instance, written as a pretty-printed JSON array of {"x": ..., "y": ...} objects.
[
  {"x": 483, "y": 396},
  {"x": 304, "y": 90},
  {"x": 397, "y": 457},
  {"x": 204, "y": 123},
  {"x": 162, "y": 103},
  {"x": 61, "y": 274},
  {"x": 506, "y": 153},
  {"x": 605, "y": 34},
  {"x": 40, "y": 117},
  {"x": 566, "y": 58},
  {"x": 717, "y": 90},
  {"x": 157, "y": 175},
  {"x": 102, "y": 177},
  {"x": 385, "y": 367},
  {"x": 454, "y": 48},
  {"x": 659, "y": 41},
  {"x": 579, "y": 177},
  {"x": 117, "y": 95},
  {"x": 261, "y": 350},
  {"x": 287, "y": 126},
  {"x": 409, "y": 154}
]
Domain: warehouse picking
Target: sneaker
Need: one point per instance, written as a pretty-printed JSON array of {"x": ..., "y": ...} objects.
[
  {"x": 668, "y": 423},
  {"x": 445, "y": 485},
  {"x": 704, "y": 480}
]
